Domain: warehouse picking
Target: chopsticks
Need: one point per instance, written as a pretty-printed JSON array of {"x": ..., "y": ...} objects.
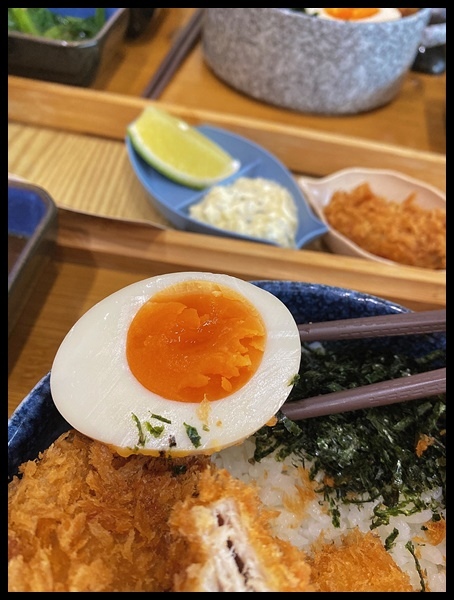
[
  {"x": 429, "y": 321},
  {"x": 174, "y": 58},
  {"x": 403, "y": 389},
  {"x": 387, "y": 392}
]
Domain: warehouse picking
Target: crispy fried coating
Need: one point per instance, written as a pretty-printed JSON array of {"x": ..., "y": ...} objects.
[
  {"x": 230, "y": 547},
  {"x": 359, "y": 564},
  {"x": 84, "y": 519}
]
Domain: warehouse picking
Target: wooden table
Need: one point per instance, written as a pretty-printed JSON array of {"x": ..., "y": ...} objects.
[{"x": 71, "y": 142}]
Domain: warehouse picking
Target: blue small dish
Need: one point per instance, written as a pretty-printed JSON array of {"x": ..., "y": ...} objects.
[
  {"x": 36, "y": 423},
  {"x": 32, "y": 229},
  {"x": 173, "y": 200}
]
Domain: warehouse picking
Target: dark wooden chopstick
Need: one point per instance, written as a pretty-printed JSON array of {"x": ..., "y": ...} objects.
[
  {"x": 430, "y": 321},
  {"x": 174, "y": 58},
  {"x": 403, "y": 389}
]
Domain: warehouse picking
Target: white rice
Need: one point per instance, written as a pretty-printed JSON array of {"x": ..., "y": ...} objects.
[{"x": 277, "y": 481}]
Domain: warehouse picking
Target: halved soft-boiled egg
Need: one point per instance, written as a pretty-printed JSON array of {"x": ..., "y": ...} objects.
[
  {"x": 356, "y": 14},
  {"x": 178, "y": 364}
]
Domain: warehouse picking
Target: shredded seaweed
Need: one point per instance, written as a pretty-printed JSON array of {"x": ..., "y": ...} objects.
[
  {"x": 391, "y": 539},
  {"x": 370, "y": 453},
  {"x": 179, "y": 470},
  {"x": 193, "y": 435},
  {"x": 159, "y": 418},
  {"x": 155, "y": 430},
  {"x": 411, "y": 548},
  {"x": 142, "y": 437}
]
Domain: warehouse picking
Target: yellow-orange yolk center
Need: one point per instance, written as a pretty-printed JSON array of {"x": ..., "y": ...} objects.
[
  {"x": 195, "y": 341},
  {"x": 351, "y": 14}
]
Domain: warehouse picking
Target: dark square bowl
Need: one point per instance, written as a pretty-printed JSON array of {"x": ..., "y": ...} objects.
[{"x": 71, "y": 63}]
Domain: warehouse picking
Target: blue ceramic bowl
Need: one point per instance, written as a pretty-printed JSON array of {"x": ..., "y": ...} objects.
[
  {"x": 173, "y": 200},
  {"x": 36, "y": 423}
]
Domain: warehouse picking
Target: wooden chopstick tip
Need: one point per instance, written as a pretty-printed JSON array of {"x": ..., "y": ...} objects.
[{"x": 184, "y": 42}]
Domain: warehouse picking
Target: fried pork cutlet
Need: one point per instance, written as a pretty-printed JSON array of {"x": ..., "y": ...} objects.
[
  {"x": 84, "y": 519},
  {"x": 230, "y": 547}
]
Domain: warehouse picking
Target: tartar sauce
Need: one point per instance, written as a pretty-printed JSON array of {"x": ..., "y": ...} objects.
[{"x": 257, "y": 207}]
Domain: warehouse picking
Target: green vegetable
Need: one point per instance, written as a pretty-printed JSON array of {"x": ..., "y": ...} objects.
[
  {"x": 155, "y": 430},
  {"x": 159, "y": 418},
  {"x": 21, "y": 20},
  {"x": 142, "y": 437},
  {"x": 365, "y": 453},
  {"x": 45, "y": 23}
]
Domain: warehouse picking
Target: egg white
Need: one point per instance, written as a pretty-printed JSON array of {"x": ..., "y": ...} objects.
[
  {"x": 93, "y": 388},
  {"x": 384, "y": 14}
]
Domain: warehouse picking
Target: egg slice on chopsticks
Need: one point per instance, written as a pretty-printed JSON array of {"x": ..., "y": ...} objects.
[
  {"x": 364, "y": 15},
  {"x": 178, "y": 364}
]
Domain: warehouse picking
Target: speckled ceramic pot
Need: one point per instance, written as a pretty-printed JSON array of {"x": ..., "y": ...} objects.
[{"x": 311, "y": 64}]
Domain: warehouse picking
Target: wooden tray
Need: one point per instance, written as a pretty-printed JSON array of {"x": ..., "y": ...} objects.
[
  {"x": 304, "y": 151},
  {"x": 416, "y": 117},
  {"x": 71, "y": 142},
  {"x": 95, "y": 256}
]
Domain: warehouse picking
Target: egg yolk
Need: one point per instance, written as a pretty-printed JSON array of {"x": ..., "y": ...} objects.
[
  {"x": 351, "y": 14},
  {"x": 195, "y": 341}
]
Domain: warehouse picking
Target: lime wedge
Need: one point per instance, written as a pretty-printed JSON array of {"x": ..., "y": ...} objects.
[{"x": 179, "y": 151}]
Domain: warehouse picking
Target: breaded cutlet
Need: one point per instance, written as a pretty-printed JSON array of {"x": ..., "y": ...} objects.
[
  {"x": 230, "y": 545},
  {"x": 84, "y": 519}
]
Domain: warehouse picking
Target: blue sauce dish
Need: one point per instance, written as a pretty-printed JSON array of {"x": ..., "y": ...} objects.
[{"x": 174, "y": 200}]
